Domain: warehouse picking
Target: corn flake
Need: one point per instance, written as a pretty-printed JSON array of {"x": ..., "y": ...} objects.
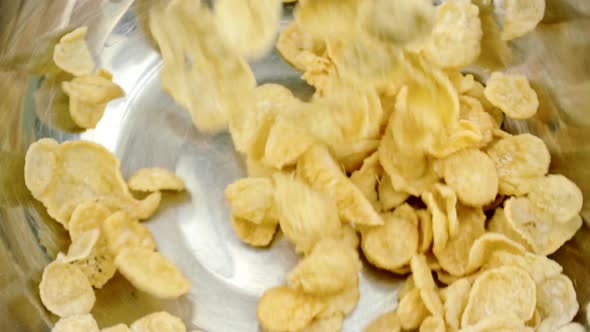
[
  {"x": 327, "y": 324},
  {"x": 89, "y": 95},
  {"x": 433, "y": 323},
  {"x": 519, "y": 159},
  {"x": 285, "y": 309},
  {"x": 41, "y": 163},
  {"x": 342, "y": 302},
  {"x": 456, "y": 37},
  {"x": 392, "y": 245},
  {"x": 72, "y": 53},
  {"x": 155, "y": 179},
  {"x": 305, "y": 215},
  {"x": 512, "y": 94},
  {"x": 411, "y": 310},
  {"x": 158, "y": 322},
  {"x": 454, "y": 257},
  {"x": 253, "y": 234},
  {"x": 413, "y": 20},
  {"x": 472, "y": 175},
  {"x": 65, "y": 290},
  {"x": 486, "y": 245},
  {"x": 557, "y": 196},
  {"x": 82, "y": 246},
  {"x": 286, "y": 143},
  {"x": 252, "y": 199},
  {"x": 539, "y": 267},
  {"x": 542, "y": 231},
  {"x": 329, "y": 268},
  {"x": 389, "y": 198},
  {"x": 521, "y": 16},
  {"x": 151, "y": 272},
  {"x": 301, "y": 49},
  {"x": 425, "y": 230},
  {"x": 556, "y": 302},
  {"x": 250, "y": 27},
  {"x": 500, "y": 224},
  {"x": 367, "y": 179},
  {"x": 504, "y": 290},
  {"x": 121, "y": 231},
  {"x": 76, "y": 323},
  {"x": 332, "y": 19},
  {"x": 318, "y": 168},
  {"x": 572, "y": 327},
  {"x": 454, "y": 299},
  {"x": 388, "y": 321}
]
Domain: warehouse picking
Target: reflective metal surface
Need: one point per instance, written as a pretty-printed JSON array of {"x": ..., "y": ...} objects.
[{"x": 146, "y": 128}]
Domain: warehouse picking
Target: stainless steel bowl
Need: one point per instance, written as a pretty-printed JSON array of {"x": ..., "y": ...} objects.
[{"x": 146, "y": 128}]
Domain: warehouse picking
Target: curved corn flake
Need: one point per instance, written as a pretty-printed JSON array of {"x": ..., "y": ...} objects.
[
  {"x": 425, "y": 230},
  {"x": 542, "y": 231},
  {"x": 351, "y": 156},
  {"x": 539, "y": 267},
  {"x": 329, "y": 268},
  {"x": 456, "y": 37},
  {"x": 472, "y": 175},
  {"x": 454, "y": 257},
  {"x": 486, "y": 245},
  {"x": 392, "y": 245},
  {"x": 86, "y": 217},
  {"x": 512, "y": 94},
  {"x": 388, "y": 321},
  {"x": 411, "y": 173},
  {"x": 116, "y": 328},
  {"x": 158, "y": 322},
  {"x": 284, "y": 309},
  {"x": 301, "y": 49},
  {"x": 454, "y": 299},
  {"x": 82, "y": 246},
  {"x": 440, "y": 230},
  {"x": 347, "y": 115},
  {"x": 411, "y": 311},
  {"x": 433, "y": 323},
  {"x": 155, "y": 179},
  {"x": 432, "y": 301},
  {"x": 95, "y": 89},
  {"x": 572, "y": 327},
  {"x": 333, "y": 19},
  {"x": 65, "y": 290},
  {"x": 500, "y": 224},
  {"x": 342, "y": 302},
  {"x": 367, "y": 179},
  {"x": 557, "y": 196},
  {"x": 521, "y": 17},
  {"x": 503, "y": 290},
  {"x": 72, "y": 54},
  {"x": 76, "y": 323},
  {"x": 406, "y": 287},
  {"x": 41, "y": 163},
  {"x": 99, "y": 264},
  {"x": 556, "y": 302},
  {"x": 121, "y": 231},
  {"x": 252, "y": 199},
  {"x": 414, "y": 20},
  {"x": 318, "y": 168},
  {"x": 187, "y": 30},
  {"x": 421, "y": 273},
  {"x": 390, "y": 198},
  {"x": 251, "y": 134},
  {"x": 305, "y": 215},
  {"x": 286, "y": 143},
  {"x": 250, "y": 27},
  {"x": 151, "y": 272},
  {"x": 257, "y": 169},
  {"x": 518, "y": 159},
  {"x": 472, "y": 111},
  {"x": 87, "y": 172},
  {"x": 253, "y": 234}
]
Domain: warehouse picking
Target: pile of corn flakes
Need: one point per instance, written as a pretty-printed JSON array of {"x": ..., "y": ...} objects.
[{"x": 398, "y": 154}]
